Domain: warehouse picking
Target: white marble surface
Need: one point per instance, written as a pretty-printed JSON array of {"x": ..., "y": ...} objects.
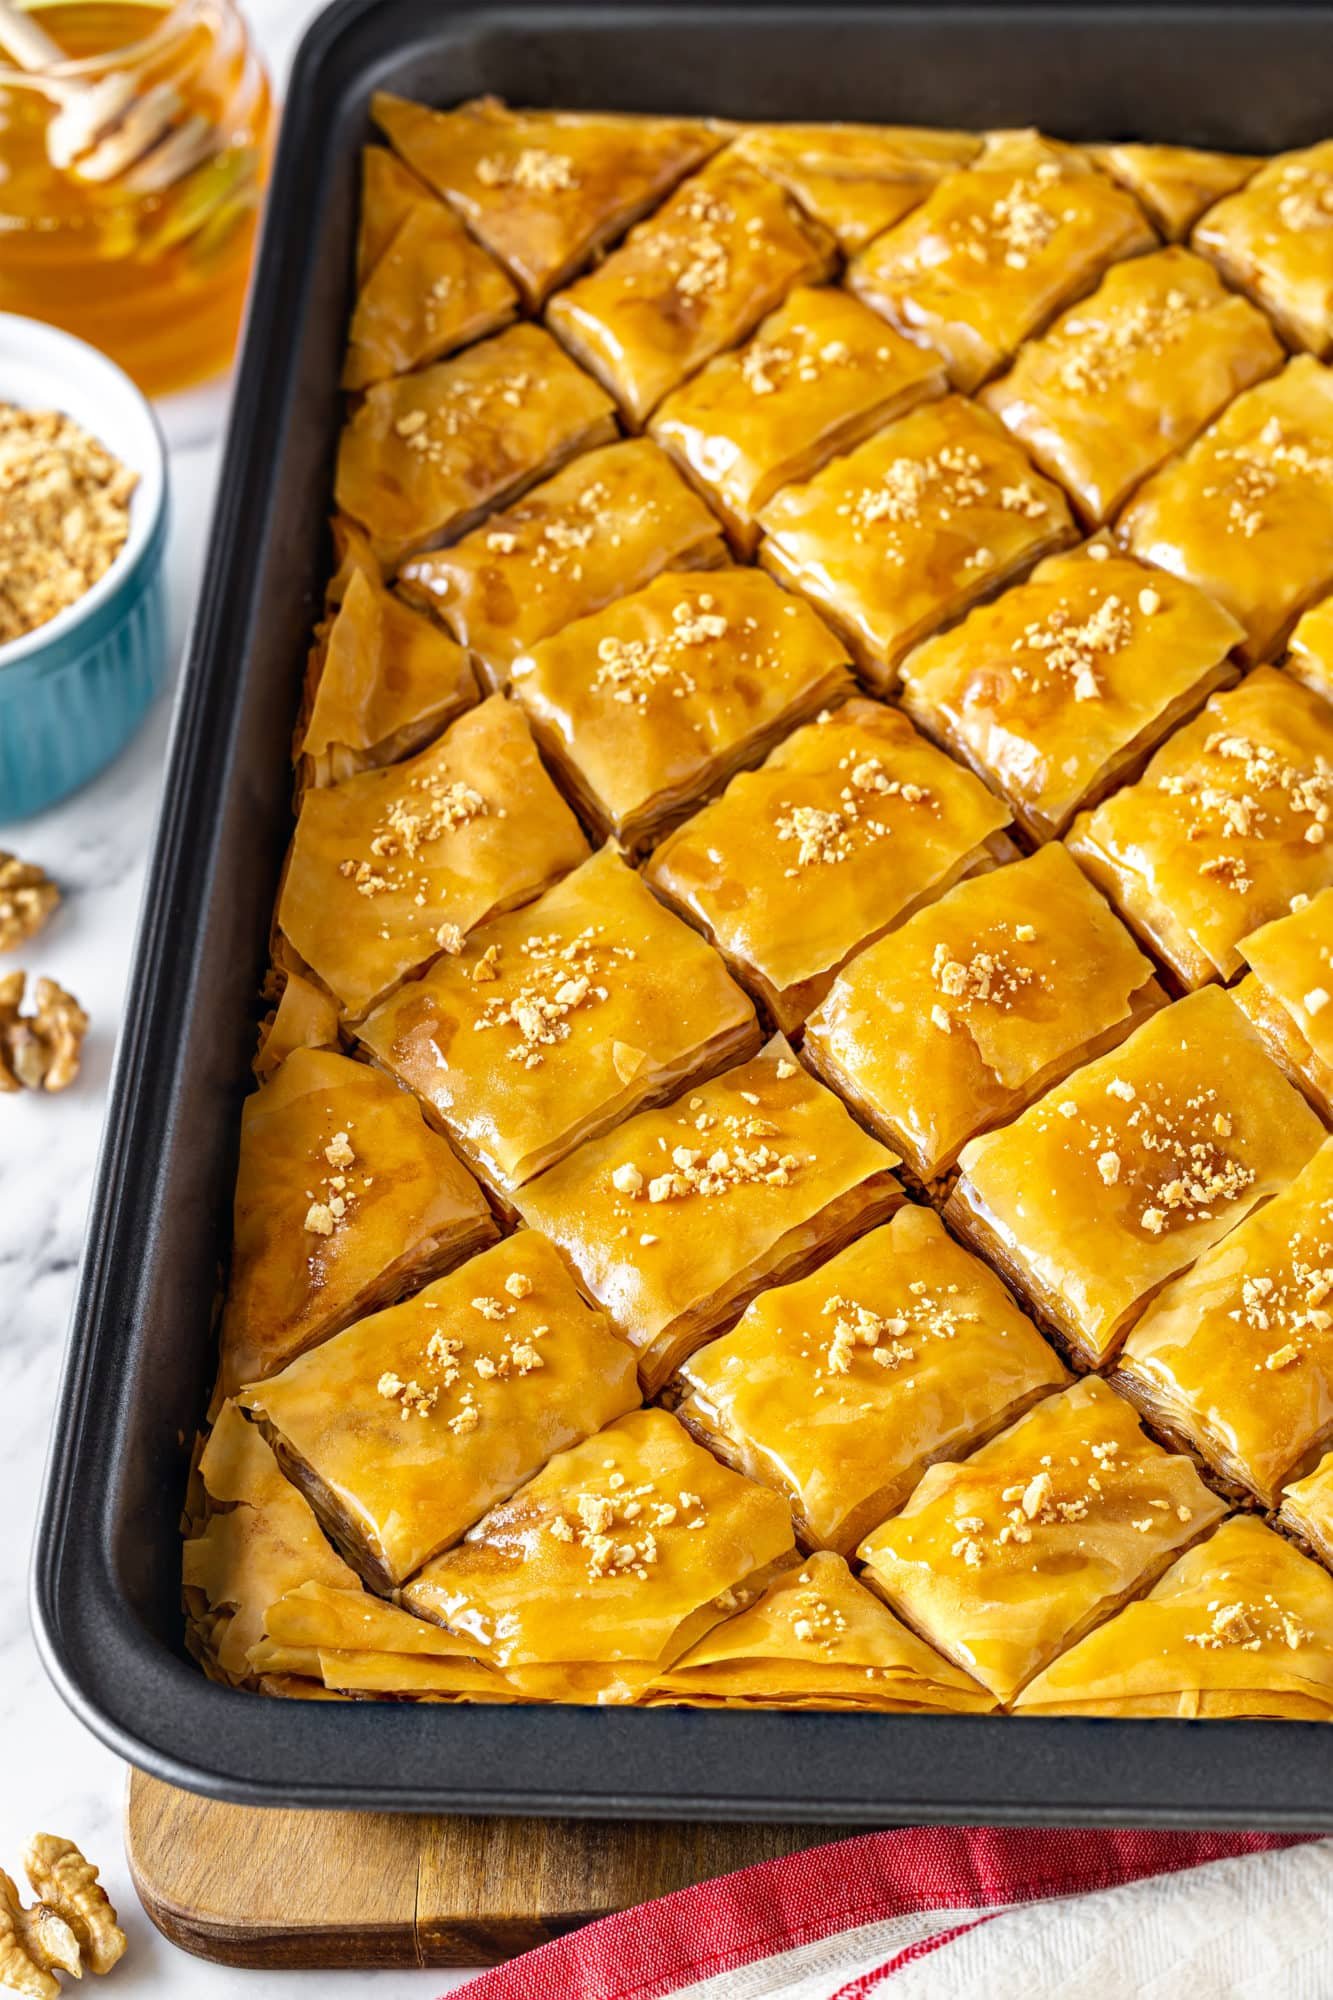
[{"x": 53, "y": 1775}]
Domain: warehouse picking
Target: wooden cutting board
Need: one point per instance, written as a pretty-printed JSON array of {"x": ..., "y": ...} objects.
[{"x": 244, "y": 1886}]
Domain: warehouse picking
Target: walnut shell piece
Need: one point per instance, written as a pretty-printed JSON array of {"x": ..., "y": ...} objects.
[
  {"x": 27, "y": 899},
  {"x": 66, "y": 1883},
  {"x": 19, "y": 1970},
  {"x": 41, "y": 1050}
]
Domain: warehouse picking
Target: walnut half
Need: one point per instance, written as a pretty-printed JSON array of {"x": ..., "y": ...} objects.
[
  {"x": 69, "y": 1892},
  {"x": 21, "y": 1967},
  {"x": 39, "y": 1051},
  {"x": 27, "y": 899}
]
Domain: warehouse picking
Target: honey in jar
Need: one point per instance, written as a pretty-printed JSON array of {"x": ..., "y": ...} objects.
[{"x": 155, "y": 279}]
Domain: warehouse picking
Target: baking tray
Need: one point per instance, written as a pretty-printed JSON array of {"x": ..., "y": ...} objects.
[{"x": 140, "y": 1362}]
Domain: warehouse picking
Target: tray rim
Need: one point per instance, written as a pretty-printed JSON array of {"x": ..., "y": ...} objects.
[{"x": 667, "y": 1764}]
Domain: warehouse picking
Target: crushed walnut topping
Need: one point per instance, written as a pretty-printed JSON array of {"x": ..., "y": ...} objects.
[
  {"x": 1249, "y": 473},
  {"x": 430, "y": 809},
  {"x": 1097, "y": 353},
  {"x": 1305, "y": 197},
  {"x": 814, "y": 1621},
  {"x": 888, "y": 1340},
  {"x": 690, "y": 238},
  {"x": 1290, "y": 1303},
  {"x": 557, "y": 978},
  {"x": 1169, "y": 1152},
  {"x": 412, "y": 1399},
  {"x": 988, "y": 978},
  {"x": 619, "y": 1529},
  {"x": 770, "y": 364},
  {"x": 634, "y": 669},
  {"x": 534, "y": 169},
  {"x": 41, "y": 1050},
  {"x": 825, "y": 835},
  {"x": 950, "y": 481},
  {"x": 1250, "y": 1626},
  {"x": 27, "y": 899},
  {"x": 64, "y": 515},
  {"x": 1064, "y": 647},
  {"x": 465, "y": 407},
  {"x": 1249, "y": 793},
  {"x": 336, "y": 1196}
]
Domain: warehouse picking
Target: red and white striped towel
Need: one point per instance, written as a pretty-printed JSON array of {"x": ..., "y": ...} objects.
[{"x": 938, "y": 1912}]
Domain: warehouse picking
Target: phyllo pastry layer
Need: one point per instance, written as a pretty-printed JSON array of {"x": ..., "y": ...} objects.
[
  {"x": 1240, "y": 1626},
  {"x": 1228, "y": 826},
  {"x": 426, "y": 455},
  {"x": 396, "y": 866},
  {"x": 544, "y": 190},
  {"x": 933, "y": 513},
  {"x": 1247, "y": 512},
  {"x": 1128, "y": 376},
  {"x": 840, "y": 1389},
  {"x": 694, "y": 278},
  {"x": 1175, "y": 183},
  {"x": 995, "y": 250},
  {"x": 1310, "y": 652},
  {"x": 1236, "y": 1356},
  {"x": 1119, "y": 1178},
  {"x": 677, "y": 1218},
  {"x": 1004, "y": 1560},
  {"x": 256, "y": 1540},
  {"x": 597, "y": 1575},
  {"x": 1274, "y": 240},
  {"x": 301, "y": 1016},
  {"x": 431, "y": 289},
  {"x": 1287, "y": 996},
  {"x": 385, "y": 680},
  {"x": 1060, "y": 689},
  {"x": 818, "y": 377},
  {"x": 817, "y": 1639},
  {"x": 977, "y": 1005},
  {"x": 603, "y": 527},
  {"x": 389, "y": 193},
  {"x": 555, "y": 1022},
  {"x": 850, "y": 825},
  {"x": 344, "y": 1200},
  {"x": 856, "y": 179},
  {"x": 403, "y": 1430},
  {"x": 1307, "y": 1510},
  {"x": 651, "y": 705}
]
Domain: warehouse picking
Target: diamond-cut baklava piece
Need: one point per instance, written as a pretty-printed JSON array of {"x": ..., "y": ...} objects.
[
  {"x": 604, "y": 526},
  {"x": 404, "y": 1429},
  {"x": 652, "y": 704},
  {"x": 1236, "y": 1357},
  {"x": 385, "y": 680},
  {"x": 1247, "y": 512},
  {"x": 597, "y": 1575},
  {"x": 1310, "y": 653},
  {"x": 432, "y": 289},
  {"x": 817, "y": 1639},
  {"x": 256, "y": 1540},
  {"x": 694, "y": 278},
  {"x": 395, "y": 866},
  {"x": 1228, "y": 824},
  {"x": 905, "y": 533},
  {"x": 1059, "y": 690},
  {"x": 995, "y": 250},
  {"x": 856, "y": 179},
  {"x": 677, "y": 1218},
  {"x": 1240, "y": 1626},
  {"x": 977, "y": 1005},
  {"x": 557, "y": 1021},
  {"x": 853, "y": 823},
  {"x": 544, "y": 190},
  {"x": 1175, "y": 183},
  {"x": 1288, "y": 993},
  {"x": 1307, "y": 1510},
  {"x": 1005, "y": 1560},
  {"x": 1119, "y": 1178},
  {"x": 841, "y": 1389},
  {"x": 818, "y": 377},
  {"x": 1274, "y": 239},
  {"x": 344, "y": 1200},
  {"x": 389, "y": 193},
  {"x": 1132, "y": 374},
  {"x": 352, "y": 1642},
  {"x": 302, "y": 1016},
  {"x": 425, "y": 455}
]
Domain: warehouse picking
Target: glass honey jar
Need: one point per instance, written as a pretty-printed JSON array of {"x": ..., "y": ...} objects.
[{"x": 156, "y": 278}]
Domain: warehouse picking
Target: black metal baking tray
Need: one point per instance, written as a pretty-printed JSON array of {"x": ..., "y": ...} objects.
[{"x": 140, "y": 1363}]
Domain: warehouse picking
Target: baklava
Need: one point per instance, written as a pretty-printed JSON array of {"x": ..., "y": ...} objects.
[
  {"x": 849, "y": 826},
  {"x": 1287, "y": 994},
  {"x": 678, "y": 1217},
  {"x": 839, "y": 1390},
  {"x": 977, "y": 1005},
  {"x": 557, "y": 1021},
  {"x": 1227, "y": 828},
  {"x": 1005, "y": 1559},
  {"x": 856, "y": 179},
  {"x": 1175, "y": 183},
  {"x": 907, "y": 532},
  {"x": 1118, "y": 1179},
  {"x": 1310, "y": 650},
  {"x": 1274, "y": 240}
]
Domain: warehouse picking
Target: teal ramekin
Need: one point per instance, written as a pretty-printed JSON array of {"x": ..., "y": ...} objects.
[{"x": 73, "y": 692}]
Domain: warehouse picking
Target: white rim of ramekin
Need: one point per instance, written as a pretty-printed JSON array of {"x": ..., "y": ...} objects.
[{"x": 38, "y": 363}]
